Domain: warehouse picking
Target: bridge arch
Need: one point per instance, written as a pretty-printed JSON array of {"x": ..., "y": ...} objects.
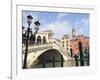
[
  {"x": 39, "y": 39},
  {"x": 51, "y": 49},
  {"x": 49, "y": 55}
]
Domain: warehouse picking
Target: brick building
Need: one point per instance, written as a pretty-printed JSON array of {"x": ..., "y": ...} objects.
[{"x": 75, "y": 40}]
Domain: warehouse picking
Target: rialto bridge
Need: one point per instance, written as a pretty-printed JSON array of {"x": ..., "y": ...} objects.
[{"x": 45, "y": 45}]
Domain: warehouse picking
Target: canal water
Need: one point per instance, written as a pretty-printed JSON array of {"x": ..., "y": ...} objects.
[
  {"x": 50, "y": 64},
  {"x": 69, "y": 63}
]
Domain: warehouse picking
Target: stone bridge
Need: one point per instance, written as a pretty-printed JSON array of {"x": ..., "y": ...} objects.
[{"x": 36, "y": 50}]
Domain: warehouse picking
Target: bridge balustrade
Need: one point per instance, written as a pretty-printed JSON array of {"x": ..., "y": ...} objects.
[{"x": 37, "y": 48}]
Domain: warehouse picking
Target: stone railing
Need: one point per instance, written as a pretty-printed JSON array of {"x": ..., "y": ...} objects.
[
  {"x": 37, "y": 48},
  {"x": 40, "y": 47},
  {"x": 59, "y": 46}
]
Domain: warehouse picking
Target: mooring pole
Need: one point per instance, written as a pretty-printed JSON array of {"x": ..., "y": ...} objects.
[
  {"x": 81, "y": 54},
  {"x": 62, "y": 60}
]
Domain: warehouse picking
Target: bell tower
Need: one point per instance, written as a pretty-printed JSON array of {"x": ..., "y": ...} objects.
[{"x": 73, "y": 33}]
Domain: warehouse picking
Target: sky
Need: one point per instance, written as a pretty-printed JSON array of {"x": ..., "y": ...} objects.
[{"x": 59, "y": 22}]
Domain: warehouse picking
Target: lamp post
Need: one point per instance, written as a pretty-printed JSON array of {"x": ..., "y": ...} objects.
[
  {"x": 29, "y": 21},
  {"x": 37, "y": 24}
]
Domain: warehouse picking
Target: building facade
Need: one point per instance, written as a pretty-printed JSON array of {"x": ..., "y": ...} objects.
[
  {"x": 74, "y": 43},
  {"x": 66, "y": 43}
]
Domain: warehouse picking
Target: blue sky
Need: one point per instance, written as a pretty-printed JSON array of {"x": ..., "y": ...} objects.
[{"x": 59, "y": 23}]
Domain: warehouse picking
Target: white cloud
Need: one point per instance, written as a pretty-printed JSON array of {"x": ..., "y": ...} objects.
[
  {"x": 82, "y": 26},
  {"x": 60, "y": 28},
  {"x": 33, "y": 14},
  {"x": 50, "y": 26},
  {"x": 61, "y": 15}
]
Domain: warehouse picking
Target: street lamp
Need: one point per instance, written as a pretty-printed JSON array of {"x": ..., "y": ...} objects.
[
  {"x": 37, "y": 24},
  {"x": 36, "y": 27},
  {"x": 29, "y": 21}
]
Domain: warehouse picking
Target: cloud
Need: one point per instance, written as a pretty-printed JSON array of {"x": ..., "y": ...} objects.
[
  {"x": 65, "y": 27},
  {"x": 61, "y": 15},
  {"x": 24, "y": 18},
  {"x": 82, "y": 26},
  {"x": 61, "y": 25},
  {"x": 60, "y": 28}
]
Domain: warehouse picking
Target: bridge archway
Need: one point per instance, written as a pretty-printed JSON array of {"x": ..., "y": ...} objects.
[
  {"x": 49, "y": 54},
  {"x": 48, "y": 57},
  {"x": 44, "y": 39},
  {"x": 39, "y": 39}
]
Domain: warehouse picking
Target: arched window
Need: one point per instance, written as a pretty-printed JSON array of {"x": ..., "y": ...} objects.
[
  {"x": 39, "y": 40},
  {"x": 32, "y": 39},
  {"x": 49, "y": 36},
  {"x": 44, "y": 39}
]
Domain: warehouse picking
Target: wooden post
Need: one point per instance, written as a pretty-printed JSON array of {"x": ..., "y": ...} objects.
[
  {"x": 43, "y": 63},
  {"x": 88, "y": 58},
  {"x": 62, "y": 61},
  {"x": 81, "y": 54},
  {"x": 71, "y": 52},
  {"x": 76, "y": 59},
  {"x": 53, "y": 61}
]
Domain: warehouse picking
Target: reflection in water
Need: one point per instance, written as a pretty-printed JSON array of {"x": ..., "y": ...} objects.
[{"x": 50, "y": 64}]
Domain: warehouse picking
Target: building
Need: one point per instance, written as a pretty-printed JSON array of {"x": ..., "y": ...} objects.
[
  {"x": 66, "y": 43},
  {"x": 73, "y": 33},
  {"x": 75, "y": 40},
  {"x": 74, "y": 47}
]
